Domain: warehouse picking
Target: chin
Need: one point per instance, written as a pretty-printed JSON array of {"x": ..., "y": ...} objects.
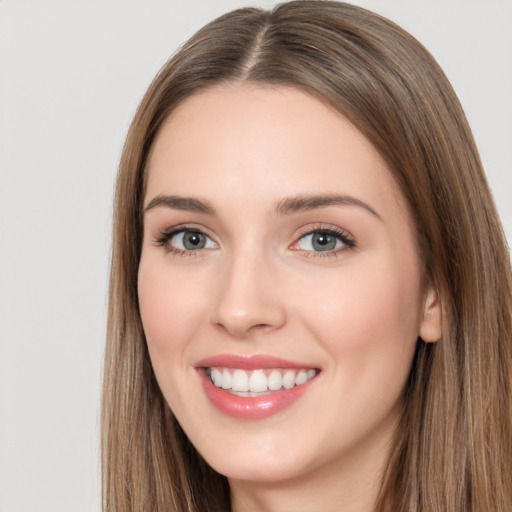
[
  {"x": 256, "y": 470},
  {"x": 266, "y": 461}
]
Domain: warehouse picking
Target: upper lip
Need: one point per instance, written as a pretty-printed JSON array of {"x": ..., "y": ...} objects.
[{"x": 248, "y": 362}]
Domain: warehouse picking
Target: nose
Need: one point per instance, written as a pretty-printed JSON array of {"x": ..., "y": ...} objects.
[{"x": 248, "y": 300}]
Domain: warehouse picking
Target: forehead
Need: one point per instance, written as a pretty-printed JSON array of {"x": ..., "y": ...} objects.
[{"x": 243, "y": 141}]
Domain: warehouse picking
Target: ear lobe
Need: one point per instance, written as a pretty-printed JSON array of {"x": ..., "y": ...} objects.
[{"x": 430, "y": 326}]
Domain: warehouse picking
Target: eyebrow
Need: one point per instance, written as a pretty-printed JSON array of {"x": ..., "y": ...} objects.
[
  {"x": 312, "y": 202},
  {"x": 189, "y": 204},
  {"x": 287, "y": 206}
]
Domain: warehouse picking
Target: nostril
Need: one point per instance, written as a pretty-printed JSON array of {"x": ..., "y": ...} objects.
[
  {"x": 243, "y": 329},
  {"x": 261, "y": 327}
]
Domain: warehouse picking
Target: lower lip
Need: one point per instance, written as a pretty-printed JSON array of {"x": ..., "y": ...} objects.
[{"x": 251, "y": 408}]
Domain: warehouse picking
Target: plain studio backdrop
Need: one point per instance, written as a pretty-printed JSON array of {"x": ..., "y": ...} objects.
[{"x": 72, "y": 74}]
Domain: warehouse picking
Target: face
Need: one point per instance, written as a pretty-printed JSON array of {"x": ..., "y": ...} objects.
[{"x": 279, "y": 285}]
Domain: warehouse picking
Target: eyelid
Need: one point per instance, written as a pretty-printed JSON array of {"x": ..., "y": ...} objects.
[
  {"x": 164, "y": 236},
  {"x": 346, "y": 238}
]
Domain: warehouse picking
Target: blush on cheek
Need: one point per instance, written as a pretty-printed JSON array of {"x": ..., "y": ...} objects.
[
  {"x": 170, "y": 308},
  {"x": 154, "y": 310},
  {"x": 357, "y": 313}
]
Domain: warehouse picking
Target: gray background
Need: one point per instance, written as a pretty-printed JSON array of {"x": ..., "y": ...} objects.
[{"x": 72, "y": 74}]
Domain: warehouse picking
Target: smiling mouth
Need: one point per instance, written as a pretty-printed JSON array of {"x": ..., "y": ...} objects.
[{"x": 258, "y": 382}]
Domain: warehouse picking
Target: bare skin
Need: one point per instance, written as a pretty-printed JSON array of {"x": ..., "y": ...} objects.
[{"x": 239, "y": 262}]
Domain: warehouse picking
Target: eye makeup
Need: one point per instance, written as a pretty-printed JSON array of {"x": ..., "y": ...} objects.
[{"x": 314, "y": 241}]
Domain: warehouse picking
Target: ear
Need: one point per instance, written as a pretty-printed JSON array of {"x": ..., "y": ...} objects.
[{"x": 430, "y": 326}]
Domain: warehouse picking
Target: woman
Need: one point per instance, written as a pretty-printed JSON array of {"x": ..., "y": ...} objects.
[{"x": 310, "y": 302}]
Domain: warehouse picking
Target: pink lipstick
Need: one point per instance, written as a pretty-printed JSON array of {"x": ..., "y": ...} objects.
[{"x": 253, "y": 387}]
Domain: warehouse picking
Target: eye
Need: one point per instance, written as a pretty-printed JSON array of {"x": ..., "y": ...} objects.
[
  {"x": 191, "y": 241},
  {"x": 186, "y": 240},
  {"x": 324, "y": 240}
]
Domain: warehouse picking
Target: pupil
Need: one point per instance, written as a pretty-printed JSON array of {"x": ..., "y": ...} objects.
[
  {"x": 193, "y": 241},
  {"x": 323, "y": 242}
]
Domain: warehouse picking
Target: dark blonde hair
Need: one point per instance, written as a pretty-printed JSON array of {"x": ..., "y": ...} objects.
[{"x": 453, "y": 449}]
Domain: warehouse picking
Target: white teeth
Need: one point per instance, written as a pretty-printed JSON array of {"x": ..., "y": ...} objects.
[
  {"x": 240, "y": 381},
  {"x": 289, "y": 379},
  {"x": 217, "y": 377},
  {"x": 245, "y": 382},
  {"x": 226, "y": 380},
  {"x": 258, "y": 381},
  {"x": 275, "y": 381},
  {"x": 301, "y": 378}
]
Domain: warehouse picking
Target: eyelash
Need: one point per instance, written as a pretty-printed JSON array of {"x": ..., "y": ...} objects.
[
  {"x": 167, "y": 235},
  {"x": 346, "y": 239}
]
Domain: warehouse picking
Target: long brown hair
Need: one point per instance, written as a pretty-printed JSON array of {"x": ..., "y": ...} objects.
[{"x": 453, "y": 448}]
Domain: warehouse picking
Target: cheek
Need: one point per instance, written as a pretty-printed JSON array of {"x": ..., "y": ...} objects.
[
  {"x": 170, "y": 305},
  {"x": 367, "y": 313}
]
